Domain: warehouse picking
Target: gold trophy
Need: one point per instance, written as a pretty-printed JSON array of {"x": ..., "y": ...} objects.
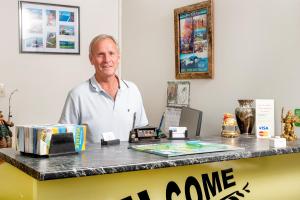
[
  {"x": 288, "y": 125},
  {"x": 229, "y": 127}
]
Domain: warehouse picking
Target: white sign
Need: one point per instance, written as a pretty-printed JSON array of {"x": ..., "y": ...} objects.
[{"x": 264, "y": 118}]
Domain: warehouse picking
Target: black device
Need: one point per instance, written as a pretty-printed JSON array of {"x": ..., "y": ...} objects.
[
  {"x": 192, "y": 119},
  {"x": 159, "y": 132}
]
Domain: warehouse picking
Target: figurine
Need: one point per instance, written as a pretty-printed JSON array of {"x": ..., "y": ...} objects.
[
  {"x": 229, "y": 127},
  {"x": 5, "y": 134},
  {"x": 288, "y": 128}
]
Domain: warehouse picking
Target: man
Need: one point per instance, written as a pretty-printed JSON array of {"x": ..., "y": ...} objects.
[{"x": 104, "y": 102}]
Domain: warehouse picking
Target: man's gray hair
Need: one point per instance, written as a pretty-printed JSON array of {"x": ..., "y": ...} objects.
[{"x": 99, "y": 38}]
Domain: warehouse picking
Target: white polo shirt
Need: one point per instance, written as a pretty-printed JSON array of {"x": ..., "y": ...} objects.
[{"x": 89, "y": 104}]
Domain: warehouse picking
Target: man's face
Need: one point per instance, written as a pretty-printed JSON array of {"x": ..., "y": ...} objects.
[{"x": 105, "y": 58}]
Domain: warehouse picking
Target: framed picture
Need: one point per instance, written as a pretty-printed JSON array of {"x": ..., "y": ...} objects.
[
  {"x": 178, "y": 93},
  {"x": 48, "y": 28},
  {"x": 194, "y": 41}
]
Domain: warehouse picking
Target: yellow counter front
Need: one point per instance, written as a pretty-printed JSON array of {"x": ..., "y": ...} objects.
[{"x": 258, "y": 172}]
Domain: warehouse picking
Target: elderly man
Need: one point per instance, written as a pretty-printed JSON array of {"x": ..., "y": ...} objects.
[{"x": 105, "y": 103}]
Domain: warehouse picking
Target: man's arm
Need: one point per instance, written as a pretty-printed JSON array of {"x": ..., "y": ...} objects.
[
  {"x": 141, "y": 117},
  {"x": 70, "y": 114}
]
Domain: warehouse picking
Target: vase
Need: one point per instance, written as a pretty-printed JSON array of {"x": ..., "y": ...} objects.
[{"x": 245, "y": 115}]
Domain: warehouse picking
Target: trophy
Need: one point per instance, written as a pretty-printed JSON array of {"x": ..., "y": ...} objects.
[
  {"x": 288, "y": 121},
  {"x": 229, "y": 127}
]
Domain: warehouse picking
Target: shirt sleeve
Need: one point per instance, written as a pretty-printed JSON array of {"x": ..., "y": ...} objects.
[
  {"x": 141, "y": 119},
  {"x": 70, "y": 114}
]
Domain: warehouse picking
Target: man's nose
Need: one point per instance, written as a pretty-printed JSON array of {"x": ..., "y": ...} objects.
[{"x": 107, "y": 58}]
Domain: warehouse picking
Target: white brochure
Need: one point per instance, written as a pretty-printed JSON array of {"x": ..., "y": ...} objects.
[{"x": 264, "y": 118}]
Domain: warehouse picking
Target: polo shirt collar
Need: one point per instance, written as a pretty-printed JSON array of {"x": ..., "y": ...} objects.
[{"x": 97, "y": 87}]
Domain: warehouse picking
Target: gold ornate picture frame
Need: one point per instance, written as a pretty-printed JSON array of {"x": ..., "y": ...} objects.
[{"x": 194, "y": 41}]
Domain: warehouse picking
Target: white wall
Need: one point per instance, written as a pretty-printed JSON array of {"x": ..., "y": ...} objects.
[
  {"x": 43, "y": 80},
  {"x": 256, "y": 55}
]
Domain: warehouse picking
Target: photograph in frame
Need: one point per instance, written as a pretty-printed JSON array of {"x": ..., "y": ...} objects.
[
  {"x": 49, "y": 28},
  {"x": 194, "y": 41},
  {"x": 178, "y": 93}
]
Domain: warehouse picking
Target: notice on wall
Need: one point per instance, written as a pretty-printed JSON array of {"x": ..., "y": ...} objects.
[{"x": 264, "y": 118}]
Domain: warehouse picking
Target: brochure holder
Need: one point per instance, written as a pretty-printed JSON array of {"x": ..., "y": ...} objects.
[{"x": 62, "y": 144}]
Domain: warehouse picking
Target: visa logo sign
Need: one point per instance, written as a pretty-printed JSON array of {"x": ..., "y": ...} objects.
[{"x": 263, "y": 128}]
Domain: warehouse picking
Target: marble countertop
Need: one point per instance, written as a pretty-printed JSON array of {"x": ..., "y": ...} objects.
[{"x": 97, "y": 160}]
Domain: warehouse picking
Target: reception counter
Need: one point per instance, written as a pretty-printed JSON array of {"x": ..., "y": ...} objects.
[{"x": 116, "y": 172}]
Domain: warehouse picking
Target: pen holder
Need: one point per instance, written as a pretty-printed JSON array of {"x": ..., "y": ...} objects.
[{"x": 133, "y": 137}]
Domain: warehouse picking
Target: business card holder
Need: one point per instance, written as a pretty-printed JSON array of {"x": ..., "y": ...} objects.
[{"x": 110, "y": 142}]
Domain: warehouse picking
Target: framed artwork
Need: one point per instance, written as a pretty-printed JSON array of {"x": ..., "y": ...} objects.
[
  {"x": 49, "y": 28},
  {"x": 178, "y": 93},
  {"x": 194, "y": 41}
]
